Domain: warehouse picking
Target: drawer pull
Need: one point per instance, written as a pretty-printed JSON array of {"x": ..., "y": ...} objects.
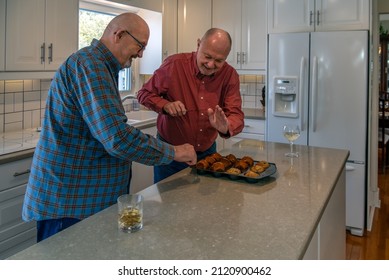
[{"x": 16, "y": 174}]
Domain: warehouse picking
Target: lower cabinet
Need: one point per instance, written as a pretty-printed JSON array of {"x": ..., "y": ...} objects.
[
  {"x": 142, "y": 175},
  {"x": 253, "y": 129},
  {"x": 15, "y": 234},
  {"x": 329, "y": 239}
]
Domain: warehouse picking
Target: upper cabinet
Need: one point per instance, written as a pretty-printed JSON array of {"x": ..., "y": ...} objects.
[
  {"x": 245, "y": 20},
  {"x": 2, "y": 35},
  {"x": 194, "y": 19},
  {"x": 40, "y": 34},
  {"x": 169, "y": 28},
  {"x": 317, "y": 15}
]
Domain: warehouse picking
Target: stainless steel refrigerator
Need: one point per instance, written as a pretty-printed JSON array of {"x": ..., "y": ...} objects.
[{"x": 319, "y": 80}]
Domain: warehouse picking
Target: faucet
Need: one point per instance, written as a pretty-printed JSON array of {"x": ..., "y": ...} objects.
[{"x": 130, "y": 96}]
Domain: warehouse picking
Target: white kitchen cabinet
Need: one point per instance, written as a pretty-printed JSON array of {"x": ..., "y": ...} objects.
[
  {"x": 2, "y": 35},
  {"x": 245, "y": 20},
  {"x": 15, "y": 234},
  {"x": 194, "y": 19},
  {"x": 169, "y": 28},
  {"x": 253, "y": 129},
  {"x": 40, "y": 34},
  {"x": 329, "y": 239},
  {"x": 142, "y": 175},
  {"x": 317, "y": 15}
]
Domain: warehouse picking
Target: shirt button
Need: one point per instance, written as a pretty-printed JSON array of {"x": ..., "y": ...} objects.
[
  {"x": 202, "y": 114},
  {"x": 201, "y": 98},
  {"x": 198, "y": 145},
  {"x": 201, "y": 129}
]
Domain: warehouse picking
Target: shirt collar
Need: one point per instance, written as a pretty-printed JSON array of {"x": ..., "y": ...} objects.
[{"x": 107, "y": 54}]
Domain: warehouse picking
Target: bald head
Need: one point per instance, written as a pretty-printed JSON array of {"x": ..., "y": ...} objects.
[
  {"x": 219, "y": 39},
  {"x": 128, "y": 21}
]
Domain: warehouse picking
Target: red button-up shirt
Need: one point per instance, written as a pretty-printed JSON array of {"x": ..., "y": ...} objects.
[{"x": 179, "y": 78}]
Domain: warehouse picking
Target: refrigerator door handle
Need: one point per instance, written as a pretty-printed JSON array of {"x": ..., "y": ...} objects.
[
  {"x": 301, "y": 90},
  {"x": 314, "y": 93}
]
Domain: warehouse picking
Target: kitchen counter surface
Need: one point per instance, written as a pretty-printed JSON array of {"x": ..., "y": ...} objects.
[
  {"x": 190, "y": 216},
  {"x": 254, "y": 113}
]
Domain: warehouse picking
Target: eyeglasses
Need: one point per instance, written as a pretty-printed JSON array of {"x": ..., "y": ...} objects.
[{"x": 142, "y": 47}]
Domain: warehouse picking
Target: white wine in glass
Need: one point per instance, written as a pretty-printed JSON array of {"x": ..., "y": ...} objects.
[{"x": 291, "y": 133}]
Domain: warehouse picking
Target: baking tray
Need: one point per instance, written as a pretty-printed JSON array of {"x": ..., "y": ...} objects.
[{"x": 268, "y": 172}]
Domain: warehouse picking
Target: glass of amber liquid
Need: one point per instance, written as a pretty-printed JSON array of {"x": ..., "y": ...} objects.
[{"x": 130, "y": 212}]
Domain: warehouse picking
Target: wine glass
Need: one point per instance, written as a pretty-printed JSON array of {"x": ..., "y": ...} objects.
[{"x": 292, "y": 133}]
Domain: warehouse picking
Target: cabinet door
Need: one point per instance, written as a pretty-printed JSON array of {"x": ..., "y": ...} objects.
[
  {"x": 290, "y": 16},
  {"x": 254, "y": 35},
  {"x": 342, "y": 15},
  {"x": 61, "y": 36},
  {"x": 227, "y": 15},
  {"x": 2, "y": 35},
  {"x": 169, "y": 28},
  {"x": 194, "y": 19},
  {"x": 25, "y": 35}
]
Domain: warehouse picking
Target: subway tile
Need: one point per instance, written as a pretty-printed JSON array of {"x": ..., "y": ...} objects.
[
  {"x": 14, "y": 86},
  {"x": 1, "y": 123},
  {"x": 45, "y": 84},
  {"x": 1, "y": 87},
  {"x": 36, "y": 84},
  {"x": 9, "y": 103},
  {"x": 27, "y": 85},
  {"x": 13, "y": 117},
  {"x": 32, "y": 96},
  {"x": 9, "y": 127},
  {"x": 32, "y": 105},
  {"x": 18, "y": 101}
]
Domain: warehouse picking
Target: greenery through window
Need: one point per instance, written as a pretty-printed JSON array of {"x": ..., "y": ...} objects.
[{"x": 91, "y": 25}]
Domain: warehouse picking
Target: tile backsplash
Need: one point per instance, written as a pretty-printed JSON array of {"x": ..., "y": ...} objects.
[
  {"x": 22, "y": 103},
  {"x": 251, "y": 90}
]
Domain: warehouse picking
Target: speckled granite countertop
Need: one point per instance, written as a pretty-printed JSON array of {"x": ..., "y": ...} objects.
[{"x": 190, "y": 216}]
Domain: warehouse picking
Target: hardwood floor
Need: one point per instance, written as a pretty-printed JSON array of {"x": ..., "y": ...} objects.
[{"x": 375, "y": 244}]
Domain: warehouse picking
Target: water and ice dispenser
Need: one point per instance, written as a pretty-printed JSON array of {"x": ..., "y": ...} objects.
[{"x": 286, "y": 97}]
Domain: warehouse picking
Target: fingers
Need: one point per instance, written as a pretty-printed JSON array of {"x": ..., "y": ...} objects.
[
  {"x": 174, "y": 109},
  {"x": 185, "y": 153}
]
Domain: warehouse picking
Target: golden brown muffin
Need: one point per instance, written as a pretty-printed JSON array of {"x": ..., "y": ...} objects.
[
  {"x": 234, "y": 171},
  {"x": 210, "y": 159},
  {"x": 202, "y": 164},
  {"x": 231, "y": 158},
  {"x": 218, "y": 167},
  {"x": 249, "y": 160},
  {"x": 241, "y": 165},
  {"x": 251, "y": 174},
  {"x": 216, "y": 156},
  {"x": 257, "y": 168},
  {"x": 226, "y": 162},
  {"x": 263, "y": 163}
]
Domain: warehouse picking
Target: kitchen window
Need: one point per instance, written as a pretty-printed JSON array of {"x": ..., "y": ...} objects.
[{"x": 94, "y": 15}]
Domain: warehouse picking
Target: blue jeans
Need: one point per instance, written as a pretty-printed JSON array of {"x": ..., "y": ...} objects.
[
  {"x": 163, "y": 171},
  {"x": 47, "y": 228}
]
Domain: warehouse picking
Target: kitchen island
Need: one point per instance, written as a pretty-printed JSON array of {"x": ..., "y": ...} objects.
[{"x": 297, "y": 213}]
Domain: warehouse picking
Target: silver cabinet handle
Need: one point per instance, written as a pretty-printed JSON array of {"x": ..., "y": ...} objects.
[
  {"x": 310, "y": 18},
  {"x": 237, "y": 57},
  {"x": 318, "y": 18},
  {"x": 244, "y": 58},
  {"x": 16, "y": 174},
  {"x": 43, "y": 53},
  {"x": 50, "y": 53}
]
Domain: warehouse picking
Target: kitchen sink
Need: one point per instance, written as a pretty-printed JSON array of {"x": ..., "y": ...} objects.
[{"x": 141, "y": 116}]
